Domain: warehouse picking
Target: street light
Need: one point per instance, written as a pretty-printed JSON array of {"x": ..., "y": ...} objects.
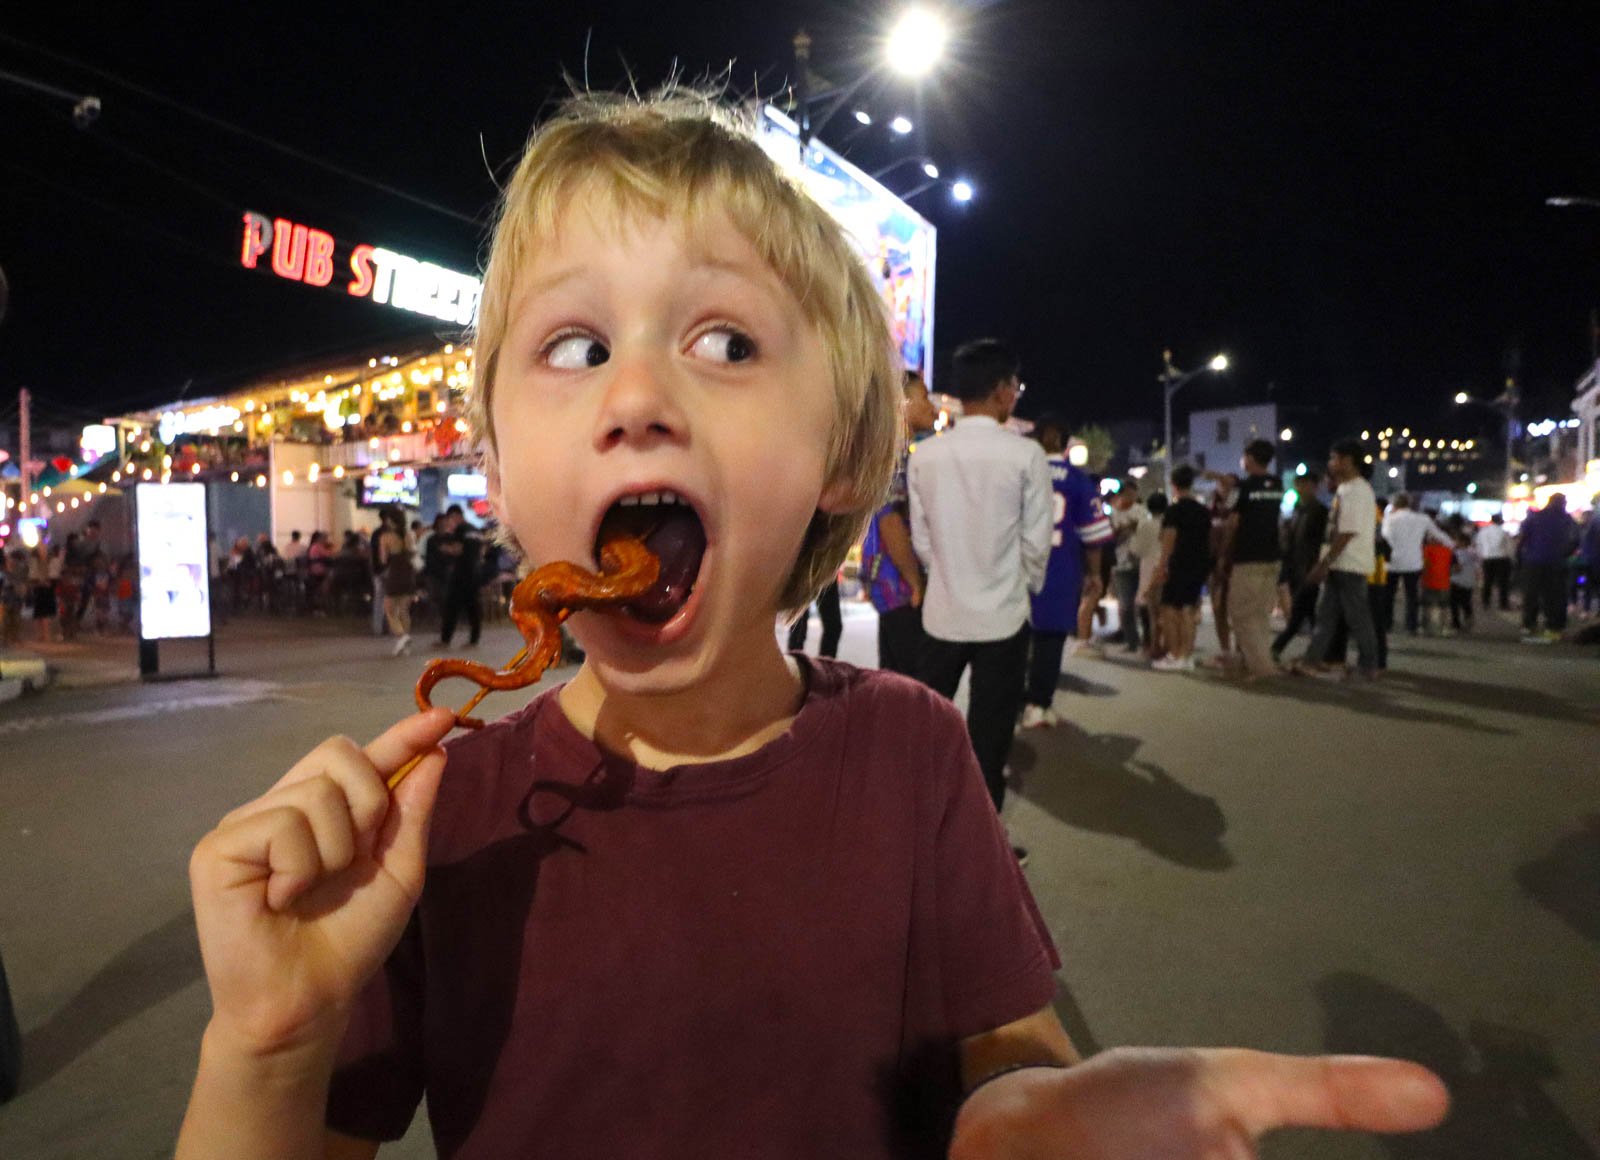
[
  {"x": 916, "y": 42},
  {"x": 1286, "y": 434},
  {"x": 1172, "y": 379},
  {"x": 912, "y": 47},
  {"x": 961, "y": 191},
  {"x": 1505, "y": 405}
]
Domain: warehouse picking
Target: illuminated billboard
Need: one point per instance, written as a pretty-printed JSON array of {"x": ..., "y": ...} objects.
[
  {"x": 174, "y": 582},
  {"x": 899, "y": 244},
  {"x": 389, "y": 486}
]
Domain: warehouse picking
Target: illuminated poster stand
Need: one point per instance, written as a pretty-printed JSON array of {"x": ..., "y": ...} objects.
[{"x": 174, "y": 571}]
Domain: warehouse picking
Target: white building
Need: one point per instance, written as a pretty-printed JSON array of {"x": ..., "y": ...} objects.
[
  {"x": 1586, "y": 406},
  {"x": 1217, "y": 438}
]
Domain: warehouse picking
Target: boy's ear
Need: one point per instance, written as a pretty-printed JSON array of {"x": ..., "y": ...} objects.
[
  {"x": 491, "y": 472},
  {"x": 837, "y": 498}
]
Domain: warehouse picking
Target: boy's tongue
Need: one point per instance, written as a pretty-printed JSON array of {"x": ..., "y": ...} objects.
[{"x": 674, "y": 534}]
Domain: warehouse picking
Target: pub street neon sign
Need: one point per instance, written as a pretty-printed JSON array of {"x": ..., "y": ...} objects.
[{"x": 303, "y": 254}]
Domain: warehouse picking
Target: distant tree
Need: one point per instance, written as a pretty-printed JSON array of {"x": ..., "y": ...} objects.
[{"x": 1100, "y": 445}]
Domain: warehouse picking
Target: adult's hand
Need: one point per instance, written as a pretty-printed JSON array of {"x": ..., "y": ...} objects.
[{"x": 1188, "y": 1104}]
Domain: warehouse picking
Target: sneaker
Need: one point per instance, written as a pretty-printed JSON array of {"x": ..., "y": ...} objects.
[
  {"x": 1038, "y": 717},
  {"x": 1089, "y": 650},
  {"x": 1172, "y": 664},
  {"x": 402, "y": 646},
  {"x": 1020, "y": 853}
]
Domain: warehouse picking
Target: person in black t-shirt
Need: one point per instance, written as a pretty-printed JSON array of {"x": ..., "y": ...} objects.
[
  {"x": 1250, "y": 554},
  {"x": 462, "y": 550},
  {"x": 1185, "y": 562},
  {"x": 1307, "y": 528}
]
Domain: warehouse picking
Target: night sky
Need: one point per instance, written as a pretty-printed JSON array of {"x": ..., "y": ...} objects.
[{"x": 1347, "y": 198}]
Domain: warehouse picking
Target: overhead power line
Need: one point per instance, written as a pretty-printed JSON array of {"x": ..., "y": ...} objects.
[{"x": 239, "y": 130}]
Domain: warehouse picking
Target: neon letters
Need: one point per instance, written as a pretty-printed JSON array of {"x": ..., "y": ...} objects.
[{"x": 302, "y": 254}]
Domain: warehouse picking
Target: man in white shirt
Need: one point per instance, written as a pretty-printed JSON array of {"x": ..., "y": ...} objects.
[
  {"x": 980, "y": 520},
  {"x": 1407, "y": 530},
  {"x": 1494, "y": 552},
  {"x": 1343, "y": 569}
]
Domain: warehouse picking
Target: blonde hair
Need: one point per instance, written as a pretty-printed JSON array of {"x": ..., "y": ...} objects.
[{"x": 681, "y": 154}]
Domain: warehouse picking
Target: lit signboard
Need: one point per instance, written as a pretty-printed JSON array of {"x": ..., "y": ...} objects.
[
  {"x": 97, "y": 439},
  {"x": 392, "y": 485},
  {"x": 174, "y": 587},
  {"x": 898, "y": 243},
  {"x": 466, "y": 485},
  {"x": 210, "y": 420},
  {"x": 303, "y": 254}
]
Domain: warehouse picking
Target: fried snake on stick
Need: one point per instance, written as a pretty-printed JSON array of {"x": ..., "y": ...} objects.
[{"x": 541, "y": 601}]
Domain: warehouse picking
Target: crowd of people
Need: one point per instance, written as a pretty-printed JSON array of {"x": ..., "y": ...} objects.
[
  {"x": 994, "y": 550},
  {"x": 448, "y": 572},
  {"x": 66, "y": 588},
  {"x": 451, "y": 573}
]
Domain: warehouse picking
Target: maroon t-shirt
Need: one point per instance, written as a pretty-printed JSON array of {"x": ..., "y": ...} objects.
[{"x": 771, "y": 956}]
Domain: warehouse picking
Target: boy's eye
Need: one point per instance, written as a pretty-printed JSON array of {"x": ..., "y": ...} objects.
[
  {"x": 576, "y": 352},
  {"x": 724, "y": 345}
]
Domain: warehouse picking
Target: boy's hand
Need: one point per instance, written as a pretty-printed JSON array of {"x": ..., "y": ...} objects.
[
  {"x": 1173, "y": 1104},
  {"x": 300, "y": 895}
]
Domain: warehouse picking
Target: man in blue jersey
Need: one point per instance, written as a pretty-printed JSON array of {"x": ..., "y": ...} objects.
[{"x": 1079, "y": 531}]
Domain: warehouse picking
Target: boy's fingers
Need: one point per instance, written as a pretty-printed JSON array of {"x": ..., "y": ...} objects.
[
  {"x": 338, "y": 765},
  {"x": 402, "y": 846},
  {"x": 275, "y": 849},
  {"x": 406, "y": 739},
  {"x": 1352, "y": 1092}
]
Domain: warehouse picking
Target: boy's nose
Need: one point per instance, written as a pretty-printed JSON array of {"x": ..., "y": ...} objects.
[{"x": 639, "y": 407}]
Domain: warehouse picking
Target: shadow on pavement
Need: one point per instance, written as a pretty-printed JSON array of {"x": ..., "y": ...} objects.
[
  {"x": 155, "y": 966},
  {"x": 1364, "y": 699},
  {"x": 1496, "y": 698},
  {"x": 1496, "y": 1075},
  {"x": 1092, "y": 781},
  {"x": 1565, "y": 880},
  {"x": 1072, "y": 683}
]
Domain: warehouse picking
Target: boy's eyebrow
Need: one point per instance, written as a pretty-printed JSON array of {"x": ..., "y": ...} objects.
[
  {"x": 550, "y": 282},
  {"x": 755, "y": 271}
]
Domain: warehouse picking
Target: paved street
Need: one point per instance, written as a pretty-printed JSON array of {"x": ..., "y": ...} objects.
[{"x": 1410, "y": 869}]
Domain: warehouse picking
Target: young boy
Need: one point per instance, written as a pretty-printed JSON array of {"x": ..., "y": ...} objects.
[
  {"x": 1181, "y": 573},
  {"x": 1464, "y": 571},
  {"x": 1437, "y": 563},
  {"x": 704, "y": 900}
]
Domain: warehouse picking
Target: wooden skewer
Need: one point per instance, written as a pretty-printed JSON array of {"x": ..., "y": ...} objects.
[{"x": 401, "y": 774}]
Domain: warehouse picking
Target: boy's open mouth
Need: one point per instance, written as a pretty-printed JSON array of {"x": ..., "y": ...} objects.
[{"x": 669, "y": 527}]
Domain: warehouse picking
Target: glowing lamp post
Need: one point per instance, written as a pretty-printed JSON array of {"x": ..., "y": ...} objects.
[
  {"x": 916, "y": 42},
  {"x": 1173, "y": 379},
  {"x": 1504, "y": 405},
  {"x": 913, "y": 48}
]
